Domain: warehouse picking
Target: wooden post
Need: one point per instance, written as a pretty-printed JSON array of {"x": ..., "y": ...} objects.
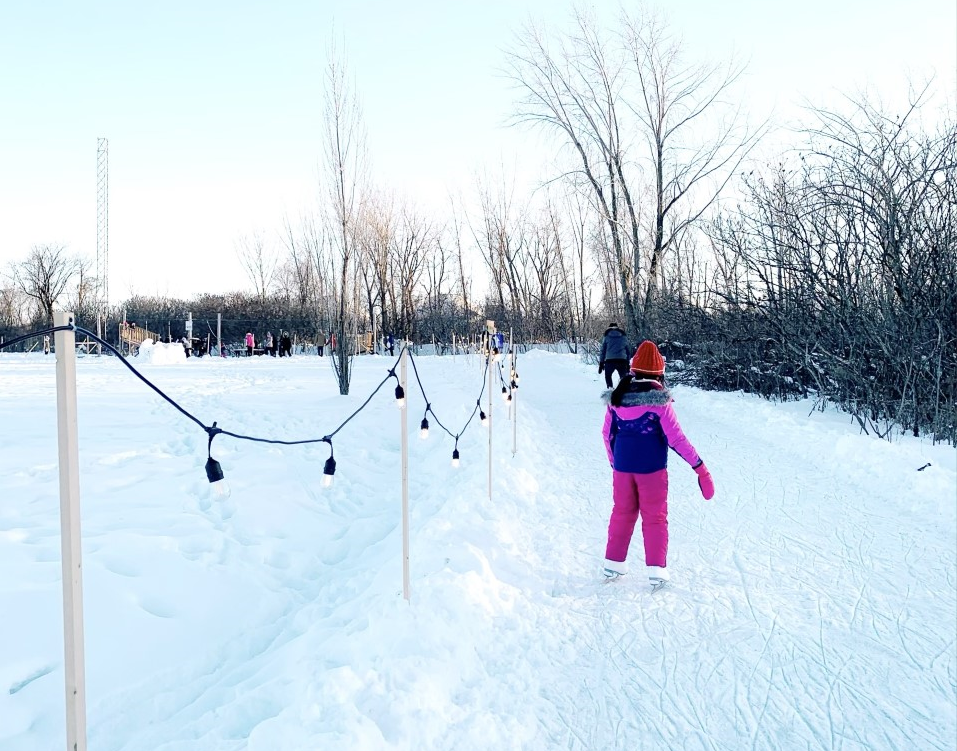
[
  {"x": 511, "y": 378},
  {"x": 404, "y": 427},
  {"x": 490, "y": 424},
  {"x": 68, "y": 453},
  {"x": 219, "y": 334}
]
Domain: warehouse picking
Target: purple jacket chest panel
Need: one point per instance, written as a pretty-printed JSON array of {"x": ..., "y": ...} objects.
[{"x": 639, "y": 433}]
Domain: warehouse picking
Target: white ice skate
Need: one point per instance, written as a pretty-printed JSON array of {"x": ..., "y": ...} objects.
[
  {"x": 614, "y": 569},
  {"x": 658, "y": 577}
]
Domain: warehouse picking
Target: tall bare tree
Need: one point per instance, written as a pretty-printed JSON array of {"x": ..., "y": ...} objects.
[
  {"x": 345, "y": 164},
  {"x": 650, "y": 135}
]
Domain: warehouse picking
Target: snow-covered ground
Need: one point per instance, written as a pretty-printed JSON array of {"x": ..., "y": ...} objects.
[{"x": 813, "y": 606}]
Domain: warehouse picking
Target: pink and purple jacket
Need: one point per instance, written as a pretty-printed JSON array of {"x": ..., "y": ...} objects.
[{"x": 639, "y": 432}]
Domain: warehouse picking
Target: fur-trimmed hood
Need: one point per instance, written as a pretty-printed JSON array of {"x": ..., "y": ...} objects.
[{"x": 638, "y": 395}]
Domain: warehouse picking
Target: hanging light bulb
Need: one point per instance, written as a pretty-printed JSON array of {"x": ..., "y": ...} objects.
[
  {"x": 514, "y": 384},
  {"x": 217, "y": 483},
  {"x": 424, "y": 433},
  {"x": 483, "y": 418},
  {"x": 515, "y": 375},
  {"x": 509, "y": 396},
  {"x": 328, "y": 471},
  {"x": 455, "y": 457},
  {"x": 399, "y": 396},
  {"x": 504, "y": 394}
]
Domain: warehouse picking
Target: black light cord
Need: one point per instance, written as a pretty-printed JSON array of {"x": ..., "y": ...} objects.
[
  {"x": 213, "y": 430},
  {"x": 428, "y": 406},
  {"x": 36, "y": 334}
]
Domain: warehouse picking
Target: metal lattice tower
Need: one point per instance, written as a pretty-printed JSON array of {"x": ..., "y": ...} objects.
[{"x": 103, "y": 221}]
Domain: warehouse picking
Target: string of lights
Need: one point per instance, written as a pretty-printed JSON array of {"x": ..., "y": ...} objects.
[
  {"x": 424, "y": 426},
  {"x": 512, "y": 384},
  {"x": 214, "y": 470}
]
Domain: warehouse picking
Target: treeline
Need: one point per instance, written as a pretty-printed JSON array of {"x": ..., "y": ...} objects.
[{"x": 826, "y": 272}]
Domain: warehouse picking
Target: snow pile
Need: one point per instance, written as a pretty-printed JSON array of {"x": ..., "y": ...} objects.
[
  {"x": 812, "y": 602},
  {"x": 161, "y": 353}
]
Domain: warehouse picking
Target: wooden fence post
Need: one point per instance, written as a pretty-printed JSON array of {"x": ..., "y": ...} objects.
[
  {"x": 70, "y": 539},
  {"x": 404, "y": 427}
]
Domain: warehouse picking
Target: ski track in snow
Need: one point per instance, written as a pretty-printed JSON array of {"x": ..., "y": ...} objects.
[{"x": 812, "y": 604}]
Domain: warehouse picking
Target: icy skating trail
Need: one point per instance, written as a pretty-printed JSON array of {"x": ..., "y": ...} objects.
[{"x": 812, "y": 606}]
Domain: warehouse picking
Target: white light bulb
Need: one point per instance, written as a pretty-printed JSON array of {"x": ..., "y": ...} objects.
[
  {"x": 219, "y": 489},
  {"x": 327, "y": 480}
]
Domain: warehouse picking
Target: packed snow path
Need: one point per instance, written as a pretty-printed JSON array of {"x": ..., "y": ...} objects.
[{"x": 813, "y": 603}]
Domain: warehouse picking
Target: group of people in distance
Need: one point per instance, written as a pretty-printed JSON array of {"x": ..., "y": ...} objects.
[
  {"x": 271, "y": 345},
  {"x": 640, "y": 427}
]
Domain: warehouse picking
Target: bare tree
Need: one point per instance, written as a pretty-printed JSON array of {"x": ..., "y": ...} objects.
[
  {"x": 691, "y": 161},
  {"x": 415, "y": 239},
  {"x": 463, "y": 275},
  {"x": 259, "y": 262},
  {"x": 633, "y": 116},
  {"x": 83, "y": 298},
  {"x": 345, "y": 162},
  {"x": 45, "y": 276}
]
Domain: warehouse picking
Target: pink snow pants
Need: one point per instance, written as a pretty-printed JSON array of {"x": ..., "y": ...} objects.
[{"x": 636, "y": 494}]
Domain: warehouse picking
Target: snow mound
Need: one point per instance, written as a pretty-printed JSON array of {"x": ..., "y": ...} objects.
[{"x": 160, "y": 353}]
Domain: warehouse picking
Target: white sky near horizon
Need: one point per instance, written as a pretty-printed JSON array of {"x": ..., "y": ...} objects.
[{"x": 213, "y": 110}]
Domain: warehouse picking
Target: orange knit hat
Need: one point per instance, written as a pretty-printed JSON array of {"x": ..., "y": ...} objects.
[{"x": 648, "y": 360}]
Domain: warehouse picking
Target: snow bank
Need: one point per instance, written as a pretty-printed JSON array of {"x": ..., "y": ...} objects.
[
  {"x": 812, "y": 602},
  {"x": 160, "y": 353}
]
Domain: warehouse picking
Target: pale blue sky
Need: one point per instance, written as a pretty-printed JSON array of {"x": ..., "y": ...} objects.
[{"x": 213, "y": 109}]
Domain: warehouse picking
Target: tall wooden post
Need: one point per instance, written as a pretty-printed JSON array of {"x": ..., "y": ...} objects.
[
  {"x": 68, "y": 453},
  {"x": 406, "y": 585},
  {"x": 219, "y": 333},
  {"x": 490, "y": 424},
  {"x": 514, "y": 413}
]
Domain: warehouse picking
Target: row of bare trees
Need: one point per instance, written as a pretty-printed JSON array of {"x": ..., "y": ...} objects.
[
  {"x": 831, "y": 274},
  {"x": 844, "y": 262}
]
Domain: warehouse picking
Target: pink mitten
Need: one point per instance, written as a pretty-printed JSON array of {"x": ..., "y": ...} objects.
[{"x": 704, "y": 480}]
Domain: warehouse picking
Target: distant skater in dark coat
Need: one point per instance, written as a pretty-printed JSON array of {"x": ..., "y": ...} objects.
[{"x": 614, "y": 355}]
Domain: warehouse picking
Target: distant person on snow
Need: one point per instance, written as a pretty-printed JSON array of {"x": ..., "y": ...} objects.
[
  {"x": 250, "y": 343},
  {"x": 640, "y": 426},
  {"x": 270, "y": 344},
  {"x": 614, "y": 354},
  {"x": 321, "y": 343},
  {"x": 285, "y": 344}
]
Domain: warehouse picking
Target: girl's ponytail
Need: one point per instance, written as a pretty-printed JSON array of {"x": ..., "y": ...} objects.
[{"x": 621, "y": 389}]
